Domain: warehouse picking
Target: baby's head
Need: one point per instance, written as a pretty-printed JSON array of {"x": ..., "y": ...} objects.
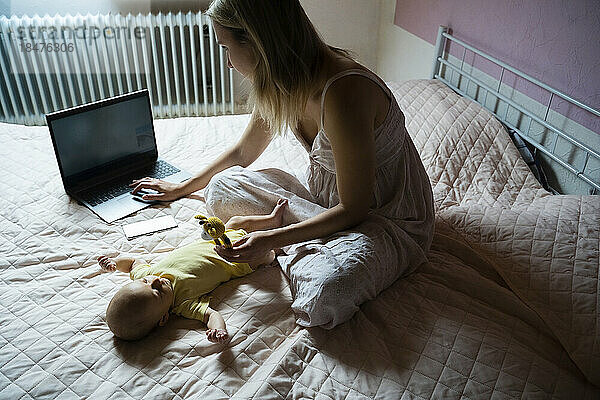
[{"x": 139, "y": 306}]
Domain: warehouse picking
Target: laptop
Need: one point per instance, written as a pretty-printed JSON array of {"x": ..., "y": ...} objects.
[{"x": 102, "y": 146}]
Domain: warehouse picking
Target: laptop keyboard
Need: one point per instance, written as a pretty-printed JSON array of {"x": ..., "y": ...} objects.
[{"x": 161, "y": 169}]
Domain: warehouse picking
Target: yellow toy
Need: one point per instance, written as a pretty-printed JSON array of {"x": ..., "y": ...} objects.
[{"x": 213, "y": 229}]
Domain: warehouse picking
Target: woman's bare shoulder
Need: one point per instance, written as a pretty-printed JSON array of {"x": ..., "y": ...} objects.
[{"x": 358, "y": 95}]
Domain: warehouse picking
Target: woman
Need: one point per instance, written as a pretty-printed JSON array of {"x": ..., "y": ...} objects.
[{"x": 367, "y": 216}]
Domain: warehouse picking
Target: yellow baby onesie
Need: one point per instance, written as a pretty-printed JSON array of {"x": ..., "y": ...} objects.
[{"x": 194, "y": 270}]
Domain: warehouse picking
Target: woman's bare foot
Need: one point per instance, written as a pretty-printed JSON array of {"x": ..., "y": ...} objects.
[
  {"x": 277, "y": 213},
  {"x": 111, "y": 265},
  {"x": 217, "y": 335},
  {"x": 252, "y": 223},
  {"x": 267, "y": 260}
]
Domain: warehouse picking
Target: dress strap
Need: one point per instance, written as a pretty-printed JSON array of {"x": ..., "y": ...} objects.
[{"x": 353, "y": 71}]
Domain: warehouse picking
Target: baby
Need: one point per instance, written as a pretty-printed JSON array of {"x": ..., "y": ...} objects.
[{"x": 176, "y": 284}]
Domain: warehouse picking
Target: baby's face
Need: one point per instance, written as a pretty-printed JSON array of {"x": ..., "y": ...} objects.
[{"x": 157, "y": 293}]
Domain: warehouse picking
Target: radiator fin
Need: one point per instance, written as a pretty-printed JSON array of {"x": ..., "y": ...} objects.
[{"x": 174, "y": 56}]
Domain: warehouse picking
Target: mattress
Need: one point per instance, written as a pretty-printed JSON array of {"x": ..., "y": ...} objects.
[{"x": 507, "y": 306}]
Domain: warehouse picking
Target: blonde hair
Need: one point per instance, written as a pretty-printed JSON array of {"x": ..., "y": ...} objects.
[{"x": 288, "y": 50}]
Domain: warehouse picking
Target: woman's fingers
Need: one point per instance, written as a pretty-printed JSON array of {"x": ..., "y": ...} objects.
[
  {"x": 137, "y": 181},
  {"x": 155, "y": 196},
  {"x": 164, "y": 191},
  {"x": 237, "y": 255},
  {"x": 222, "y": 251},
  {"x": 246, "y": 249},
  {"x": 240, "y": 241},
  {"x": 145, "y": 185},
  {"x": 227, "y": 254}
]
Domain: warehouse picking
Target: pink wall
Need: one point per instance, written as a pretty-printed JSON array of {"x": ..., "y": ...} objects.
[{"x": 555, "y": 41}]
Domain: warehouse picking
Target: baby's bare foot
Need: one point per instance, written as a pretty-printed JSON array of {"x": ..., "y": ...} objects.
[
  {"x": 217, "y": 335},
  {"x": 277, "y": 213}
]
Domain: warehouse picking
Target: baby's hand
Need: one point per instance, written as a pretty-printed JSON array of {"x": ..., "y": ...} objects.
[
  {"x": 217, "y": 335},
  {"x": 107, "y": 264}
]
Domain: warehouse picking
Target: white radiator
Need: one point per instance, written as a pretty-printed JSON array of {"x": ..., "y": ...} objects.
[{"x": 54, "y": 62}]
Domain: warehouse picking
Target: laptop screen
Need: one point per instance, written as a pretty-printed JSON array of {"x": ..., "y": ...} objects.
[{"x": 98, "y": 136}]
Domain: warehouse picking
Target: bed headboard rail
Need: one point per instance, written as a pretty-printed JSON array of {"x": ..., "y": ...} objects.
[{"x": 562, "y": 139}]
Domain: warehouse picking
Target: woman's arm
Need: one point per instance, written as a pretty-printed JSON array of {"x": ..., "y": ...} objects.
[
  {"x": 349, "y": 123},
  {"x": 251, "y": 145}
]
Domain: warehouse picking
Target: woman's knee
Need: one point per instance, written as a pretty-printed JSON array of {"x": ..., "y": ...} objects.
[
  {"x": 220, "y": 182},
  {"x": 333, "y": 303},
  {"x": 219, "y": 192},
  {"x": 235, "y": 191}
]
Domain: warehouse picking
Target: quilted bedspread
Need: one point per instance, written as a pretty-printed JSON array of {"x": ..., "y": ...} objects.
[{"x": 507, "y": 306}]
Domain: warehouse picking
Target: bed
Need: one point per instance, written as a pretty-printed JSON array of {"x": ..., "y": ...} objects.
[{"x": 507, "y": 306}]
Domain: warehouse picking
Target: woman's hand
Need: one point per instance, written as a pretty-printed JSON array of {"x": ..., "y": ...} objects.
[
  {"x": 254, "y": 246},
  {"x": 168, "y": 191}
]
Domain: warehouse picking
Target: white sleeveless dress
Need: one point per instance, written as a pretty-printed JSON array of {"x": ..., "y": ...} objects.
[{"x": 330, "y": 277}]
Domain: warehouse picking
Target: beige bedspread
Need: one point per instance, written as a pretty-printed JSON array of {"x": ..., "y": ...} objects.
[
  {"x": 545, "y": 247},
  {"x": 506, "y": 308}
]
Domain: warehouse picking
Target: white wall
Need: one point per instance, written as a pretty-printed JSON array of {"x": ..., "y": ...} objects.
[
  {"x": 364, "y": 26},
  {"x": 400, "y": 54},
  {"x": 350, "y": 24}
]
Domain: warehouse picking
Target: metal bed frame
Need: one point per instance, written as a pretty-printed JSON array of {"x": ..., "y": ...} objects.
[{"x": 441, "y": 65}]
